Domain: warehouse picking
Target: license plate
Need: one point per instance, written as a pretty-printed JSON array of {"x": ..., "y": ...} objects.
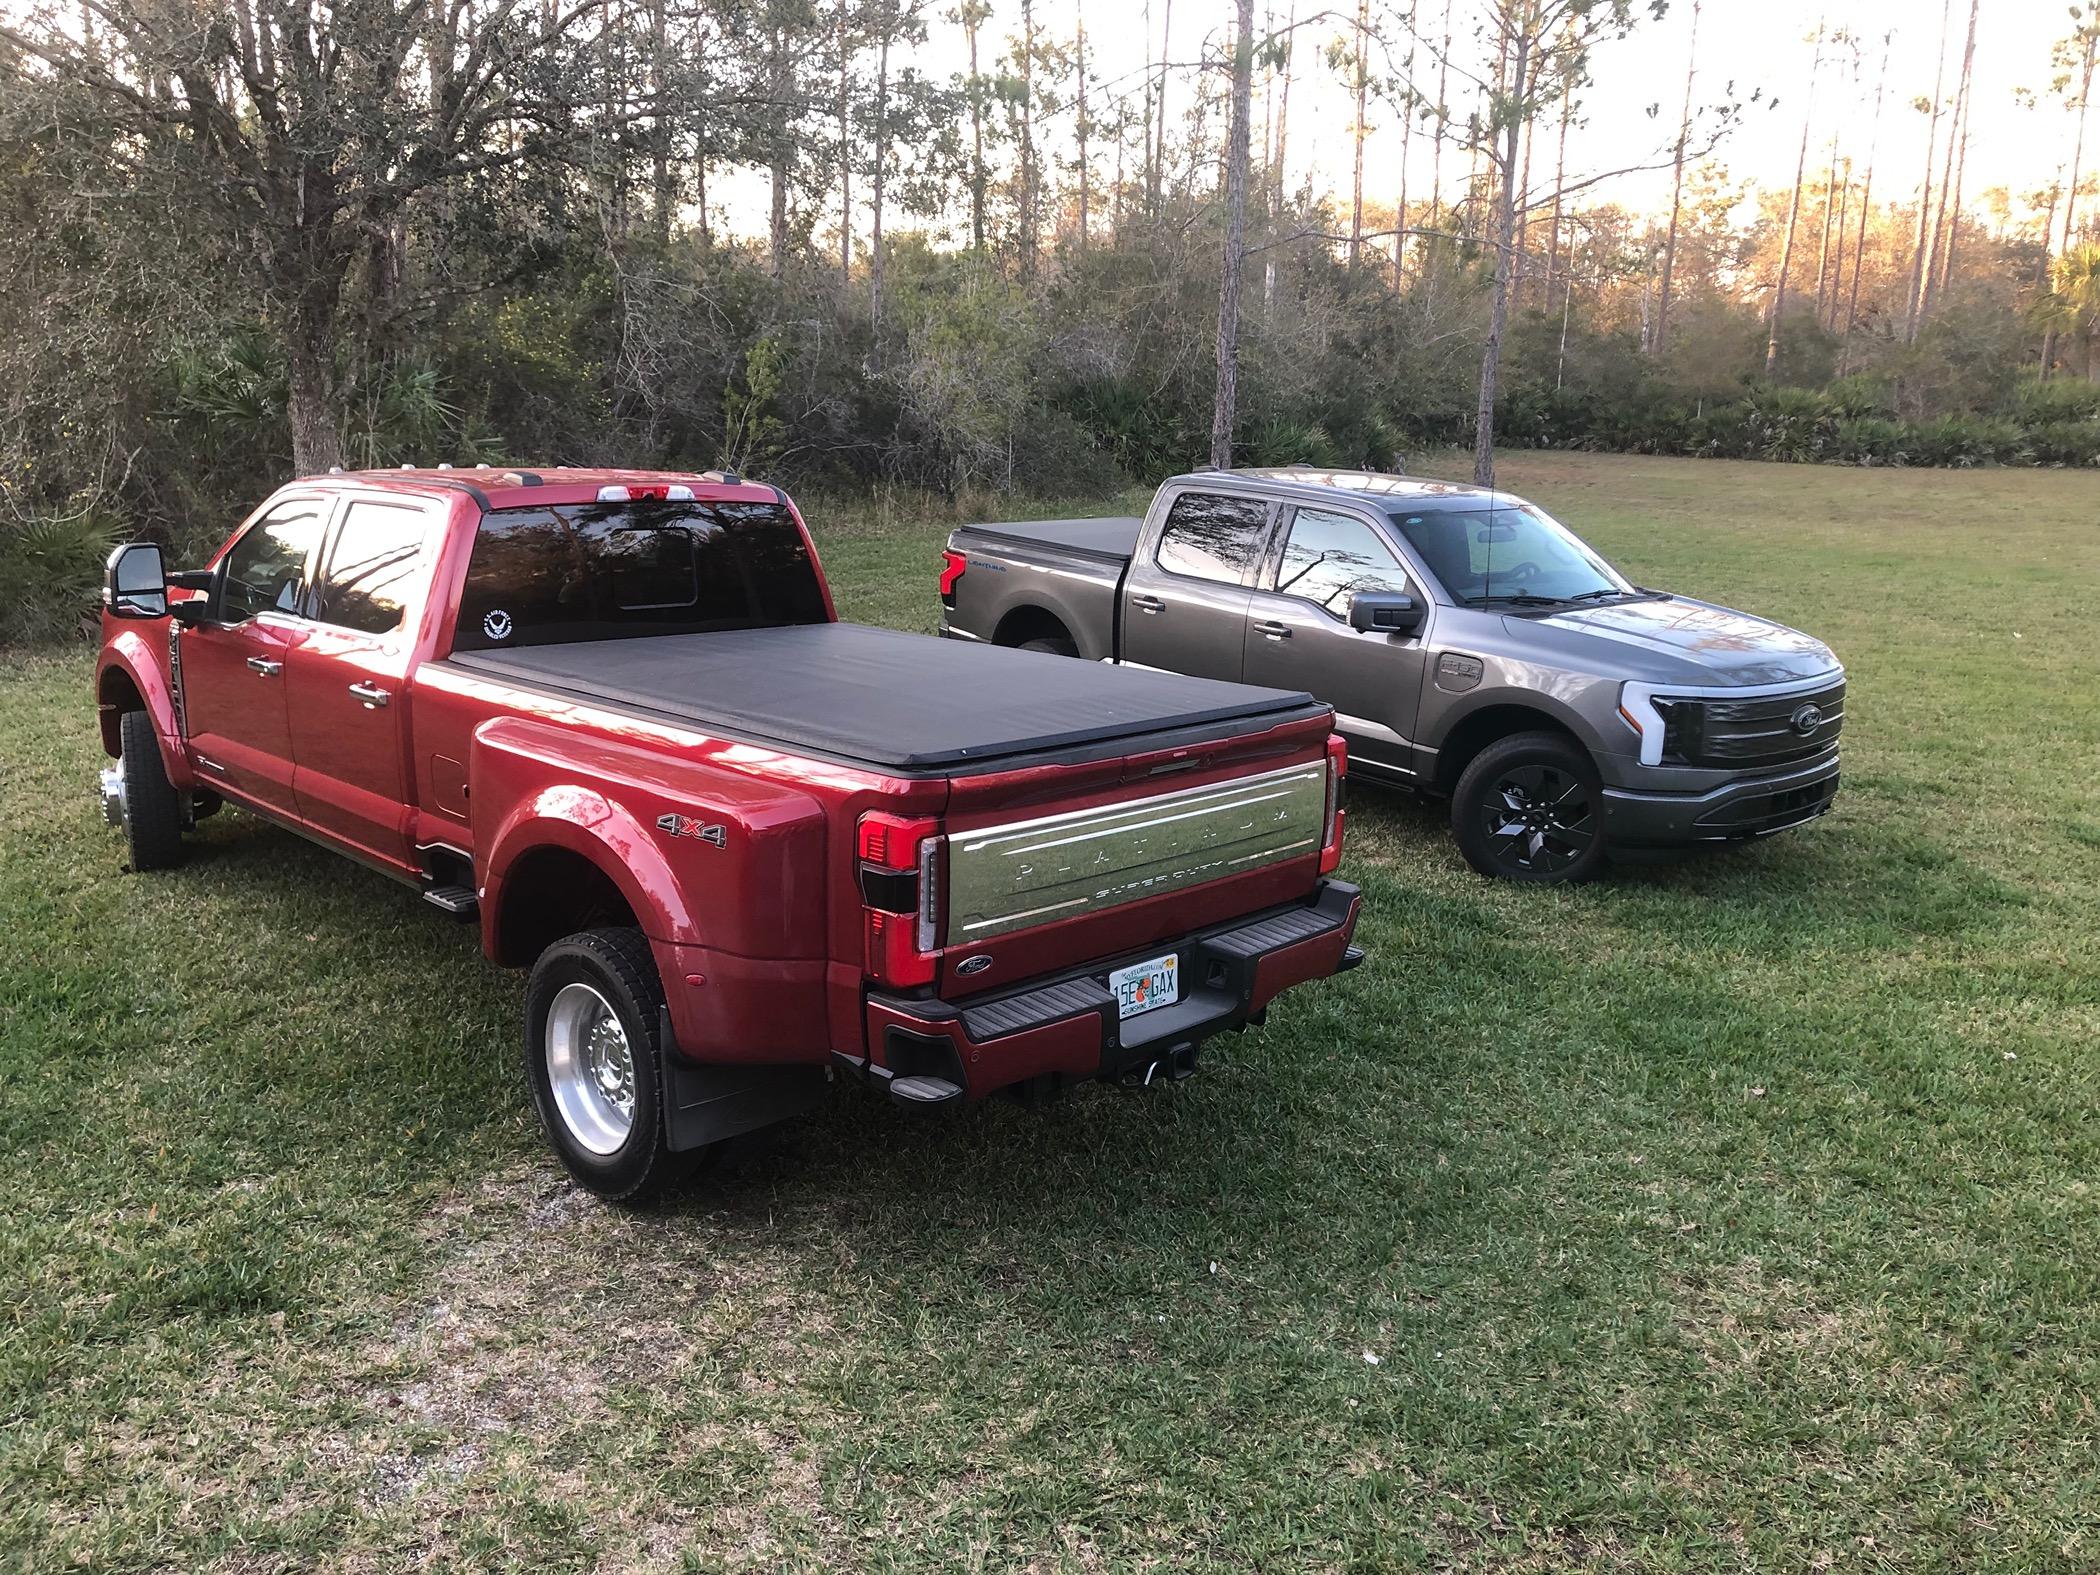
[{"x": 1143, "y": 986}]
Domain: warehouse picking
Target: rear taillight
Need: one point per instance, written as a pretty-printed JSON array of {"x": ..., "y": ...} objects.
[
  {"x": 1337, "y": 803},
  {"x": 952, "y": 565},
  {"x": 900, "y": 895}
]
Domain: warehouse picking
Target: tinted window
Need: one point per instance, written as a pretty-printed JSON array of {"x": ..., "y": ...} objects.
[
  {"x": 370, "y": 566},
  {"x": 266, "y": 569},
  {"x": 602, "y": 571},
  {"x": 1330, "y": 557},
  {"x": 1212, "y": 538}
]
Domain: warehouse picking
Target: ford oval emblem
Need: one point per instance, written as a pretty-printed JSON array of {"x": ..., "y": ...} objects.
[
  {"x": 1806, "y": 719},
  {"x": 972, "y": 965}
]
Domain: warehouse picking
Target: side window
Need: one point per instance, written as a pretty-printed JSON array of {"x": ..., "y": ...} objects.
[
  {"x": 1209, "y": 537},
  {"x": 266, "y": 570},
  {"x": 1331, "y": 557},
  {"x": 370, "y": 567}
]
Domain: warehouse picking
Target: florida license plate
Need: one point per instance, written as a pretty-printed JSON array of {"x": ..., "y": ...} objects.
[{"x": 1143, "y": 986}]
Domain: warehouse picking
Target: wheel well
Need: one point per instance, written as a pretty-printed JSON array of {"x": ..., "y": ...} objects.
[
  {"x": 1482, "y": 728},
  {"x": 117, "y": 695},
  {"x": 1022, "y": 624},
  {"x": 549, "y": 893}
]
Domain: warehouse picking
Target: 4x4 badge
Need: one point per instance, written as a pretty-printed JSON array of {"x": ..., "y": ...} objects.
[{"x": 686, "y": 826}]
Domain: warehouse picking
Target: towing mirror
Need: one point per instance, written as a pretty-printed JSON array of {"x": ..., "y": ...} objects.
[
  {"x": 135, "y": 582},
  {"x": 1385, "y": 612}
]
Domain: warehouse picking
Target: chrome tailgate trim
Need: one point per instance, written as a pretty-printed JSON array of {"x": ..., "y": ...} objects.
[{"x": 1028, "y": 872}]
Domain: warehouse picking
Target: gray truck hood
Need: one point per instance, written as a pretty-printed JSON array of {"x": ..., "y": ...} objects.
[{"x": 1675, "y": 641}]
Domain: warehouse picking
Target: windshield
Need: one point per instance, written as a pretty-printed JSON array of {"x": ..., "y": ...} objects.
[{"x": 1510, "y": 553}]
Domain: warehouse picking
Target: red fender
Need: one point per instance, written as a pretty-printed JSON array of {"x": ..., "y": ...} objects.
[{"x": 140, "y": 657}]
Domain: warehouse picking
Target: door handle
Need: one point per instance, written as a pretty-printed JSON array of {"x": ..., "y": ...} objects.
[
  {"x": 262, "y": 667},
  {"x": 373, "y": 696},
  {"x": 1150, "y": 604},
  {"x": 1271, "y": 630}
]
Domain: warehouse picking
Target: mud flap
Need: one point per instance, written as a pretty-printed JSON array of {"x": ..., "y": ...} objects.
[{"x": 704, "y": 1104}]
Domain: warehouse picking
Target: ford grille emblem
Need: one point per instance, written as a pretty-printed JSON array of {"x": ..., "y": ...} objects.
[
  {"x": 970, "y": 965},
  {"x": 1806, "y": 719}
]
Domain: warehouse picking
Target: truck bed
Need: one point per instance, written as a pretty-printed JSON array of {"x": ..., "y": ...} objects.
[
  {"x": 1110, "y": 538},
  {"x": 905, "y": 702}
]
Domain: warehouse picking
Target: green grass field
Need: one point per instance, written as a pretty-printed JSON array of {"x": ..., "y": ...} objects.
[{"x": 1737, "y": 1213}]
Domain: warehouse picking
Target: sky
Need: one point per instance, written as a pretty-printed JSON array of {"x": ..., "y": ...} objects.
[{"x": 1744, "y": 46}]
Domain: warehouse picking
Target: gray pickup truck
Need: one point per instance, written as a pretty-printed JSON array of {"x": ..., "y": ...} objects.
[{"x": 1471, "y": 646}]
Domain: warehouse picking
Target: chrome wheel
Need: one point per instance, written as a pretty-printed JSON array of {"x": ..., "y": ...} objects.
[
  {"x": 1538, "y": 819},
  {"x": 114, "y": 808},
  {"x": 590, "y": 1068}
]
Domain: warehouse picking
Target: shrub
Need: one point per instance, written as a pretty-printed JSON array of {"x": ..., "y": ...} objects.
[
  {"x": 2065, "y": 442},
  {"x": 51, "y": 565},
  {"x": 1869, "y": 440}
]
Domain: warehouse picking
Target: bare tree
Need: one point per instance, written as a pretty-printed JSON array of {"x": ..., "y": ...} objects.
[
  {"x": 1684, "y": 133},
  {"x": 1224, "y": 407},
  {"x": 1793, "y": 212},
  {"x": 1866, "y": 192},
  {"x": 973, "y": 14},
  {"x": 308, "y": 130},
  {"x": 1931, "y": 265},
  {"x": 1360, "y": 64},
  {"x": 1923, "y": 243}
]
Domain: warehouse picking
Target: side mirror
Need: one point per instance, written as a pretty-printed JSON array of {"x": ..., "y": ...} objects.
[
  {"x": 135, "y": 582},
  {"x": 1385, "y": 612}
]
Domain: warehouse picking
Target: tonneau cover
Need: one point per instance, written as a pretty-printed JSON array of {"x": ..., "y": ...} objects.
[
  {"x": 1112, "y": 537},
  {"x": 906, "y": 701}
]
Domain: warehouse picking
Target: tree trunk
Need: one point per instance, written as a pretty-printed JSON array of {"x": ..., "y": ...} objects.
[
  {"x": 1159, "y": 157},
  {"x": 1961, "y": 154},
  {"x": 1684, "y": 133},
  {"x": 1560, "y": 177},
  {"x": 973, "y": 15},
  {"x": 777, "y": 155},
  {"x": 317, "y": 442},
  {"x": 1436, "y": 152},
  {"x": 882, "y": 158},
  {"x": 845, "y": 113},
  {"x": 1363, "y": 80},
  {"x": 1079, "y": 67},
  {"x": 1028, "y": 169},
  {"x": 663, "y": 191},
  {"x": 1223, "y": 407},
  {"x": 1793, "y": 212},
  {"x": 1407, "y": 134},
  {"x": 1922, "y": 244},
  {"x": 1934, "y": 264},
  {"x": 1866, "y": 205},
  {"x": 1505, "y": 156}
]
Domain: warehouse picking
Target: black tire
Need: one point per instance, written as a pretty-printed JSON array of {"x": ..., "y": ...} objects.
[
  {"x": 1051, "y": 645},
  {"x": 152, "y": 812},
  {"x": 615, "y": 964},
  {"x": 1530, "y": 808}
]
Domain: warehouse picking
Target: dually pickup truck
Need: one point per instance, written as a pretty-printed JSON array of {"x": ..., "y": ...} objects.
[
  {"x": 1471, "y": 645},
  {"x": 742, "y": 846}
]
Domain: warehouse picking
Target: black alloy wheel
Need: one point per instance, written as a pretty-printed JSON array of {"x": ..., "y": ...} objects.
[{"x": 1530, "y": 808}]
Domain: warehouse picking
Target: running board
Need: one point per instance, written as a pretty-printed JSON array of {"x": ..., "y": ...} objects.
[
  {"x": 923, "y": 1090},
  {"x": 459, "y": 901}
]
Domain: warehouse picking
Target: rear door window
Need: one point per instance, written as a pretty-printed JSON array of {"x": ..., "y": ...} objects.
[
  {"x": 371, "y": 567},
  {"x": 607, "y": 571},
  {"x": 1208, "y": 536}
]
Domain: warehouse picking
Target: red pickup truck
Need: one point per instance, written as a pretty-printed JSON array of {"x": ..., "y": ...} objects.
[{"x": 742, "y": 846}]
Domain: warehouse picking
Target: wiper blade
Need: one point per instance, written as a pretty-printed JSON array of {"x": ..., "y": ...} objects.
[
  {"x": 1599, "y": 595},
  {"x": 1522, "y": 599}
]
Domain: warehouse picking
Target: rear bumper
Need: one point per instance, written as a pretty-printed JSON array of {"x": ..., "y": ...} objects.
[
  {"x": 1751, "y": 807},
  {"x": 1065, "y": 1025}
]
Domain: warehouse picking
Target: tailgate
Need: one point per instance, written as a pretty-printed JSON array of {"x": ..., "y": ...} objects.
[
  {"x": 1028, "y": 872},
  {"x": 1060, "y": 880}
]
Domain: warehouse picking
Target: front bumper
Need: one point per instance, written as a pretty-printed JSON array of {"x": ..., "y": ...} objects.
[
  {"x": 1748, "y": 807},
  {"x": 1065, "y": 1026}
]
